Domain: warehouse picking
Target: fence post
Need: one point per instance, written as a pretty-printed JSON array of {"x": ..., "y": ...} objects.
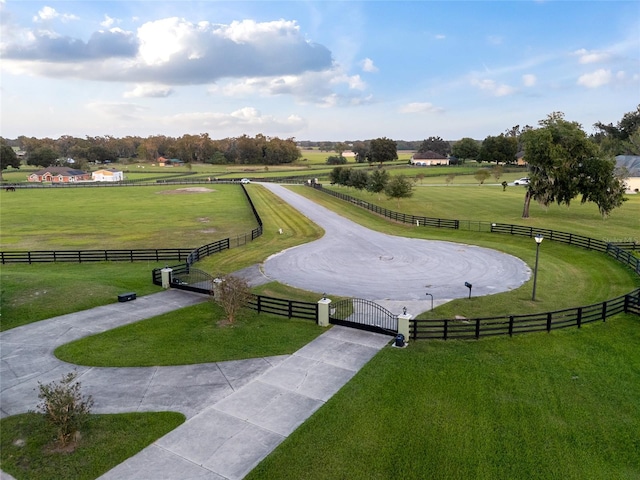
[
  {"x": 579, "y": 319},
  {"x": 323, "y": 312},
  {"x": 404, "y": 324},
  {"x": 604, "y": 311},
  {"x": 510, "y": 325}
]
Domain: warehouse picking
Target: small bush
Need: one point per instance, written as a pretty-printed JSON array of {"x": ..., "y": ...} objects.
[{"x": 64, "y": 407}]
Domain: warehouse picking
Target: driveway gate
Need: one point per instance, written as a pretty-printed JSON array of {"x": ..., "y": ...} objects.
[{"x": 363, "y": 314}]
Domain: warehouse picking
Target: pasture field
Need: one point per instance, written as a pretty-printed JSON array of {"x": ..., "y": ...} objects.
[{"x": 167, "y": 216}]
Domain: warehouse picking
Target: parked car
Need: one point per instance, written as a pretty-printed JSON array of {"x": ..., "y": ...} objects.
[
  {"x": 245, "y": 180},
  {"x": 522, "y": 181}
]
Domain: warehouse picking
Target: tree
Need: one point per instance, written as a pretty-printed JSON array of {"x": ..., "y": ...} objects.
[
  {"x": 232, "y": 294},
  {"x": 64, "y": 407},
  {"x": 361, "y": 150},
  {"x": 481, "y": 175},
  {"x": 43, "y": 157},
  {"x": 466, "y": 149},
  {"x": 399, "y": 187},
  {"x": 564, "y": 163},
  {"x": 336, "y": 160},
  {"x": 382, "y": 150},
  {"x": 358, "y": 179},
  {"x": 497, "y": 171},
  {"x": 500, "y": 149},
  {"x": 378, "y": 181},
  {"x": 435, "y": 144},
  {"x": 619, "y": 139},
  {"x": 340, "y": 148},
  {"x": 8, "y": 158},
  {"x": 449, "y": 178}
]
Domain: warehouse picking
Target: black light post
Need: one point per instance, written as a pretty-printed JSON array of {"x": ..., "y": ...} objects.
[
  {"x": 538, "y": 238},
  {"x": 429, "y": 295}
]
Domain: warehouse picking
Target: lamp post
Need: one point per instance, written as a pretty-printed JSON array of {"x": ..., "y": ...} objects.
[{"x": 538, "y": 238}]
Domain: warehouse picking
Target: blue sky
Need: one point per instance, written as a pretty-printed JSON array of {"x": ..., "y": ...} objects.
[{"x": 313, "y": 70}]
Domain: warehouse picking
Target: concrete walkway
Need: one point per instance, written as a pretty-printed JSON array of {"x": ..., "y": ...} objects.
[{"x": 237, "y": 411}]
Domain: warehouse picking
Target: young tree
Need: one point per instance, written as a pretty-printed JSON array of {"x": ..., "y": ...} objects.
[
  {"x": 382, "y": 150},
  {"x": 358, "y": 179},
  {"x": 64, "y": 407},
  {"x": 378, "y": 181},
  {"x": 497, "y": 171},
  {"x": 399, "y": 187},
  {"x": 466, "y": 149},
  {"x": 481, "y": 175},
  {"x": 232, "y": 294},
  {"x": 449, "y": 178},
  {"x": 564, "y": 163}
]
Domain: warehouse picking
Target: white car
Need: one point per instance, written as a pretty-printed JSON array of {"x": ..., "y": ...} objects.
[
  {"x": 522, "y": 181},
  {"x": 245, "y": 180}
]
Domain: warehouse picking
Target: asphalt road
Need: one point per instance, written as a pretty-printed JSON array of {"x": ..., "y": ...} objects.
[{"x": 351, "y": 260}]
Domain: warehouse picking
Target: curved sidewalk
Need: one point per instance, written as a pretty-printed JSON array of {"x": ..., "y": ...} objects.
[{"x": 237, "y": 412}]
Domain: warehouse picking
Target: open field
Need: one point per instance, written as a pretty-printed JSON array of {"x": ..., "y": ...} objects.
[{"x": 169, "y": 216}]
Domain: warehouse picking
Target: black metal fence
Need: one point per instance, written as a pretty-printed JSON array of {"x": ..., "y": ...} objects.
[{"x": 622, "y": 252}]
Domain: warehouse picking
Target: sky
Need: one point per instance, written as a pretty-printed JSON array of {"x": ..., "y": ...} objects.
[{"x": 313, "y": 70}]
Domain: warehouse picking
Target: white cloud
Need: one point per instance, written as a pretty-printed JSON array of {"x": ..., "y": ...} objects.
[
  {"x": 49, "y": 13},
  {"x": 108, "y": 21},
  {"x": 172, "y": 51},
  {"x": 595, "y": 79},
  {"x": 244, "y": 119},
  {"x": 440, "y": 36},
  {"x": 493, "y": 88},
  {"x": 149, "y": 90},
  {"x": 368, "y": 66},
  {"x": 120, "y": 111},
  {"x": 591, "y": 56},
  {"x": 327, "y": 88},
  {"x": 529, "y": 80},
  {"x": 420, "y": 107}
]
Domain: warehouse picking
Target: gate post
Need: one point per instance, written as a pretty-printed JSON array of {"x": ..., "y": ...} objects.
[
  {"x": 403, "y": 324},
  {"x": 166, "y": 277},
  {"x": 323, "y": 311}
]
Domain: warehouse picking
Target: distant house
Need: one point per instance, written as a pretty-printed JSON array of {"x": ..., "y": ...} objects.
[
  {"x": 107, "y": 175},
  {"x": 59, "y": 175},
  {"x": 631, "y": 163},
  {"x": 520, "y": 159},
  {"x": 428, "y": 158},
  {"x": 169, "y": 162}
]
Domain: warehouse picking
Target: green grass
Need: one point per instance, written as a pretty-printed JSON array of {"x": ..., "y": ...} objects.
[
  {"x": 122, "y": 217},
  {"x": 539, "y": 406},
  {"x": 107, "y": 440},
  {"x": 191, "y": 335},
  {"x": 29, "y": 293}
]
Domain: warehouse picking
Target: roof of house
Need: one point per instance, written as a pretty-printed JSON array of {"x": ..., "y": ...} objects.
[
  {"x": 429, "y": 155},
  {"x": 67, "y": 171},
  {"x": 108, "y": 170}
]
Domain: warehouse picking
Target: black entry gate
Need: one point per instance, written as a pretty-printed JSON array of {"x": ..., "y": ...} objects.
[{"x": 363, "y": 314}]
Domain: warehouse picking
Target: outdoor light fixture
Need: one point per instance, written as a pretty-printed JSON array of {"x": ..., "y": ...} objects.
[
  {"x": 538, "y": 238},
  {"x": 429, "y": 295},
  {"x": 404, "y": 310},
  {"x": 324, "y": 296},
  {"x": 468, "y": 285}
]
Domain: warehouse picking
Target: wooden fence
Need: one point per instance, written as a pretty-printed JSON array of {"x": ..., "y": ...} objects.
[{"x": 511, "y": 324}]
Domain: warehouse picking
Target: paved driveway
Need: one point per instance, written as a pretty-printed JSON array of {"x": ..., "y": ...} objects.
[{"x": 351, "y": 260}]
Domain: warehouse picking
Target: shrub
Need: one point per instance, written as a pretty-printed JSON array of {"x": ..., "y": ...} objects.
[
  {"x": 232, "y": 294},
  {"x": 64, "y": 406}
]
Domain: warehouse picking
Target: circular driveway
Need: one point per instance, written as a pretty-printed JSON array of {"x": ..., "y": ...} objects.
[{"x": 351, "y": 260}]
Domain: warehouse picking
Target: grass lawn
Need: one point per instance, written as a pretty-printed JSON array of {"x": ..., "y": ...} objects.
[
  {"x": 168, "y": 216},
  {"x": 538, "y": 406},
  {"x": 107, "y": 440},
  {"x": 29, "y": 293},
  {"x": 191, "y": 335}
]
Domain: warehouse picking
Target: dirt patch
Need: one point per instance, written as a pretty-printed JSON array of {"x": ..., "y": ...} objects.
[
  {"x": 187, "y": 190},
  {"x": 208, "y": 230}
]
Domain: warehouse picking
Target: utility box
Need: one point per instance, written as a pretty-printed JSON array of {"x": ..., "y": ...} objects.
[
  {"x": 126, "y": 297},
  {"x": 166, "y": 277}
]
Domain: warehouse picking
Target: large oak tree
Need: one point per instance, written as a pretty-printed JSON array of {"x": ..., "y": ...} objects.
[{"x": 565, "y": 163}]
